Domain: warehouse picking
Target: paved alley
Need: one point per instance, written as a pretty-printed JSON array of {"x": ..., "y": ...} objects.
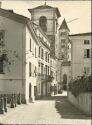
[{"x": 52, "y": 110}]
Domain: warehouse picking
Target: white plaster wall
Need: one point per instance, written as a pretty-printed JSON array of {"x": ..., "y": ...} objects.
[
  {"x": 13, "y": 81},
  {"x": 77, "y": 50},
  {"x": 30, "y": 57}
]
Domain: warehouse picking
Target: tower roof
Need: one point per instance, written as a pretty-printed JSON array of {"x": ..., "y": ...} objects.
[
  {"x": 46, "y": 7},
  {"x": 64, "y": 25}
]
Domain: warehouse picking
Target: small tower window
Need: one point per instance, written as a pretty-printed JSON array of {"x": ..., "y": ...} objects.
[{"x": 43, "y": 23}]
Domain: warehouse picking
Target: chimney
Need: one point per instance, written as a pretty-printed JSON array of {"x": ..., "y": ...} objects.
[{"x": 0, "y": 4}]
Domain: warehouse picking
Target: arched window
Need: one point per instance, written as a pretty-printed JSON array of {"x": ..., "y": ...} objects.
[{"x": 43, "y": 23}]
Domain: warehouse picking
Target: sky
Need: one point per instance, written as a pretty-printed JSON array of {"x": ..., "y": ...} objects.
[{"x": 69, "y": 10}]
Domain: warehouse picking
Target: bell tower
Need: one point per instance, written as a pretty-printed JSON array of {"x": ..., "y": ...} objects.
[{"x": 46, "y": 17}]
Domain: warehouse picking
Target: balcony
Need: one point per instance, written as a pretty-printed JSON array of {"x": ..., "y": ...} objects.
[{"x": 44, "y": 77}]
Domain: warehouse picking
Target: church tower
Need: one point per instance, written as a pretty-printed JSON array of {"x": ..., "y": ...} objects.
[
  {"x": 46, "y": 17},
  {"x": 62, "y": 48},
  {"x": 63, "y": 41}
]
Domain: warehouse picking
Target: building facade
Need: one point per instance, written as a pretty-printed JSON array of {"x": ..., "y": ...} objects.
[
  {"x": 17, "y": 55},
  {"x": 81, "y": 54},
  {"x": 43, "y": 84}
]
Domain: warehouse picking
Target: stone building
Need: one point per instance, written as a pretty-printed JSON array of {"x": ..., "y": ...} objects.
[
  {"x": 63, "y": 53},
  {"x": 81, "y": 54},
  {"x": 46, "y": 17}
]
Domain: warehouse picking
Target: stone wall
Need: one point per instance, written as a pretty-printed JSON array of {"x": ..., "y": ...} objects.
[{"x": 83, "y": 101}]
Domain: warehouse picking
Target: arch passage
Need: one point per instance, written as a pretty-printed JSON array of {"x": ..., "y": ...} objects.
[{"x": 43, "y": 23}]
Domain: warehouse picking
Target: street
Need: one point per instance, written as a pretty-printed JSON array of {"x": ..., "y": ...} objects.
[{"x": 51, "y": 110}]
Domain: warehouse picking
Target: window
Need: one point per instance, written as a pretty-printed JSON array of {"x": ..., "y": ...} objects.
[
  {"x": 52, "y": 73},
  {"x": 42, "y": 53},
  {"x": 86, "y": 53},
  {"x": 86, "y": 42},
  {"x": 62, "y": 46},
  {"x": 1, "y": 65},
  {"x": 63, "y": 33},
  {"x": 30, "y": 69},
  {"x": 39, "y": 64},
  {"x": 46, "y": 56},
  {"x": 46, "y": 69},
  {"x": 39, "y": 51},
  {"x": 63, "y": 41},
  {"x": 35, "y": 52},
  {"x": 42, "y": 68},
  {"x": 1, "y": 47},
  {"x": 43, "y": 23},
  {"x": 1, "y": 38},
  {"x": 30, "y": 46}
]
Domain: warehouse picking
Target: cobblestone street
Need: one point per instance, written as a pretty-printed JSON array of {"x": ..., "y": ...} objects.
[{"x": 52, "y": 110}]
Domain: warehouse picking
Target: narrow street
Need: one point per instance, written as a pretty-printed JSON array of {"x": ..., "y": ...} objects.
[{"x": 51, "y": 110}]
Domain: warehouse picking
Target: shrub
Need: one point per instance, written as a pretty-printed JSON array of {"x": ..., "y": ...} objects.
[{"x": 80, "y": 85}]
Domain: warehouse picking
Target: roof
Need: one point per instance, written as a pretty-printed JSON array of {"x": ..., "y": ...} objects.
[
  {"x": 19, "y": 18},
  {"x": 64, "y": 25},
  {"x": 16, "y": 17},
  {"x": 81, "y": 34},
  {"x": 46, "y": 7}
]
